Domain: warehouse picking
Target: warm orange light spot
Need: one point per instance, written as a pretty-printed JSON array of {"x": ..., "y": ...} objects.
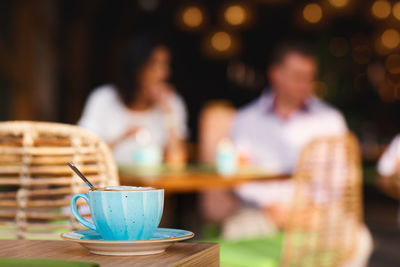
[
  {"x": 390, "y": 38},
  {"x": 338, "y": 3},
  {"x": 312, "y": 13},
  {"x": 380, "y": 48},
  {"x": 192, "y": 17},
  {"x": 393, "y": 63},
  {"x": 396, "y": 10},
  {"x": 381, "y": 9},
  {"x": 235, "y": 15},
  {"x": 221, "y": 41}
]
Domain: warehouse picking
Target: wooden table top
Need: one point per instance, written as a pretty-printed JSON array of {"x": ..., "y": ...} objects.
[
  {"x": 179, "y": 254},
  {"x": 192, "y": 180}
]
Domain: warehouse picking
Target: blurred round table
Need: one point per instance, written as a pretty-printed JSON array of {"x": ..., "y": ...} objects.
[{"x": 191, "y": 179}]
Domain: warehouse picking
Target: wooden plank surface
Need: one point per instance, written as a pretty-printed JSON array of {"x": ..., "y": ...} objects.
[
  {"x": 192, "y": 182},
  {"x": 180, "y": 254}
]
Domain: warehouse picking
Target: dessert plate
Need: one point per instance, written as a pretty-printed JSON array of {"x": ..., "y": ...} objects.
[{"x": 161, "y": 240}]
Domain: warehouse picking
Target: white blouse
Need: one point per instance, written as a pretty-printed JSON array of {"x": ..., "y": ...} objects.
[{"x": 107, "y": 116}]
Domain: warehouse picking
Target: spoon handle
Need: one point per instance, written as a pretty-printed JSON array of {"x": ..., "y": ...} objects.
[{"x": 75, "y": 169}]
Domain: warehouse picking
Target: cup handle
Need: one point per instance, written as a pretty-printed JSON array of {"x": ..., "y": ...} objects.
[{"x": 76, "y": 213}]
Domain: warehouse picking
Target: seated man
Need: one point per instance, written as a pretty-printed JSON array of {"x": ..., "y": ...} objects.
[{"x": 274, "y": 128}]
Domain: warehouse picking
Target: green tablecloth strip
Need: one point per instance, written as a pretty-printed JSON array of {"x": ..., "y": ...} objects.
[
  {"x": 34, "y": 230},
  {"x": 18, "y": 262},
  {"x": 258, "y": 252}
]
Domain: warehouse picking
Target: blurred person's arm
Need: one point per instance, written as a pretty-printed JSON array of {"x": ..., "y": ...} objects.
[
  {"x": 389, "y": 163},
  {"x": 389, "y": 169},
  {"x": 215, "y": 123},
  {"x": 175, "y": 149},
  {"x": 175, "y": 118}
]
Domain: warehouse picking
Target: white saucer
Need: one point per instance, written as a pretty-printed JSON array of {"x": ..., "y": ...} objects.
[{"x": 162, "y": 239}]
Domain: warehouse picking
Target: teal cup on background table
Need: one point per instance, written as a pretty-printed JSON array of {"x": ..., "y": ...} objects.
[{"x": 122, "y": 212}]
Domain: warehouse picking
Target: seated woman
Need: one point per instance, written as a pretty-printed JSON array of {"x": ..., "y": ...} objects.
[{"x": 142, "y": 107}]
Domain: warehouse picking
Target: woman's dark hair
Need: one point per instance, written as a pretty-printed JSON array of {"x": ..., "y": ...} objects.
[{"x": 136, "y": 56}]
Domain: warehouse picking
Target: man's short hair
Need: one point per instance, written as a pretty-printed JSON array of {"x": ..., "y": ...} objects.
[{"x": 284, "y": 48}]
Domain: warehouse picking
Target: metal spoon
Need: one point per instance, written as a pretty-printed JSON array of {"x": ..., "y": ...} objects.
[{"x": 75, "y": 169}]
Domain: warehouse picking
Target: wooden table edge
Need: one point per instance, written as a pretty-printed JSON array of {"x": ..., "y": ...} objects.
[{"x": 189, "y": 260}]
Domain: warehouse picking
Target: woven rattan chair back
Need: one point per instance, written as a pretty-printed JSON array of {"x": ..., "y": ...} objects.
[
  {"x": 35, "y": 182},
  {"x": 327, "y": 206}
]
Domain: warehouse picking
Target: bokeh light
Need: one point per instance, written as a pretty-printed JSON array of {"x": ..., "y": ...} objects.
[
  {"x": 339, "y": 46},
  {"x": 221, "y": 41},
  {"x": 235, "y": 15},
  {"x": 338, "y": 3},
  {"x": 392, "y": 63},
  {"x": 390, "y": 38},
  {"x": 396, "y": 10},
  {"x": 380, "y": 48},
  {"x": 192, "y": 17},
  {"x": 221, "y": 44},
  {"x": 381, "y": 9},
  {"x": 312, "y": 13}
]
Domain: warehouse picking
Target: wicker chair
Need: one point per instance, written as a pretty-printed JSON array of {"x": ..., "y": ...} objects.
[
  {"x": 327, "y": 211},
  {"x": 35, "y": 182}
]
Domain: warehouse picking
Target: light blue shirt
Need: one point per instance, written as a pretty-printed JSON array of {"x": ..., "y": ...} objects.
[{"x": 274, "y": 143}]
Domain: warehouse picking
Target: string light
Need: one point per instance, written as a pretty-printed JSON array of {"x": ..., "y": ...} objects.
[
  {"x": 380, "y": 48},
  {"x": 312, "y": 13},
  {"x": 339, "y": 3},
  {"x": 381, "y": 9},
  {"x": 235, "y": 15},
  {"x": 390, "y": 38},
  {"x": 396, "y": 10},
  {"x": 192, "y": 17},
  {"x": 221, "y": 41}
]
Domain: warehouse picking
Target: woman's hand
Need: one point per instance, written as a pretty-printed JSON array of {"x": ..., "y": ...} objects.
[{"x": 175, "y": 150}]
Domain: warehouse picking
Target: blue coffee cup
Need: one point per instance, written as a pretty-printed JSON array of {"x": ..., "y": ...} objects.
[{"x": 122, "y": 214}]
